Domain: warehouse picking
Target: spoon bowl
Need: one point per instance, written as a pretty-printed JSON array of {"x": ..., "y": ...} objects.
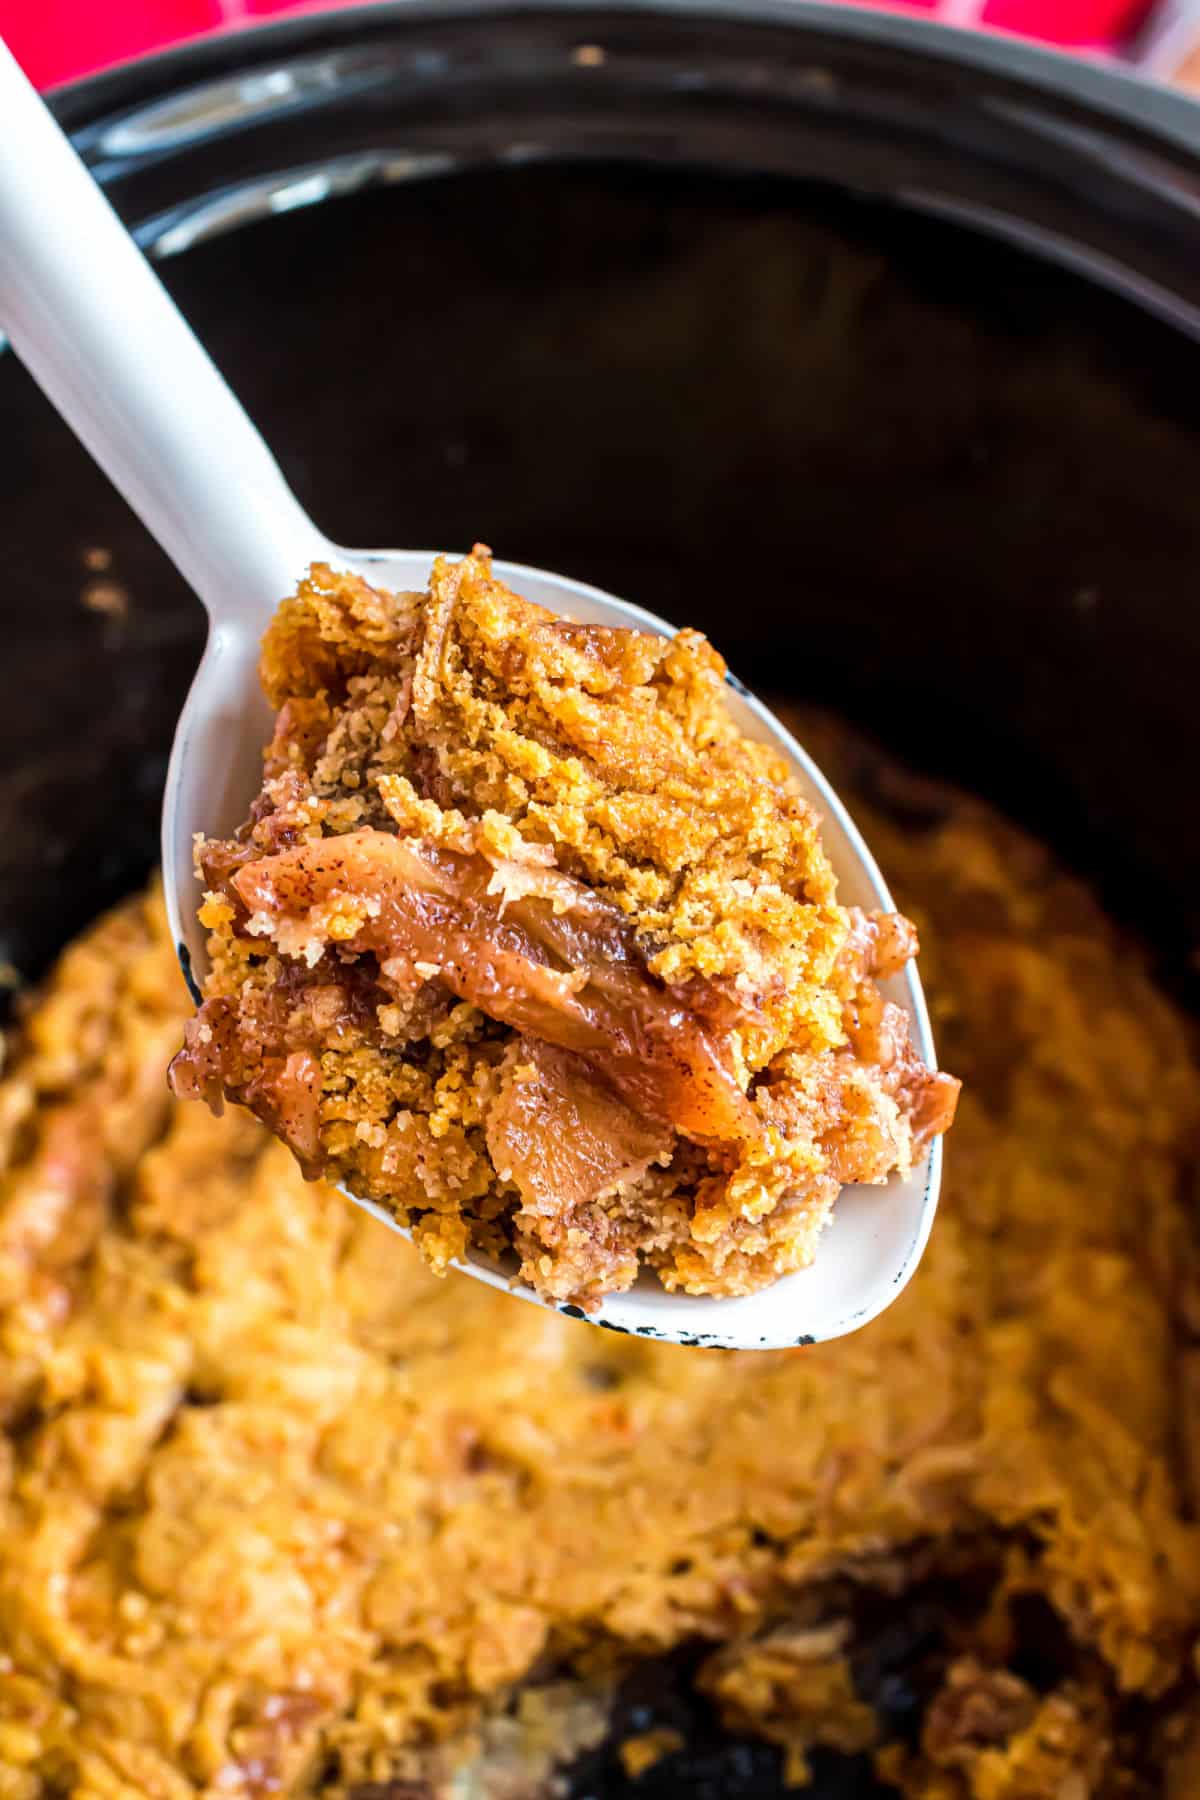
[
  {"x": 91, "y": 321},
  {"x": 877, "y": 1234}
]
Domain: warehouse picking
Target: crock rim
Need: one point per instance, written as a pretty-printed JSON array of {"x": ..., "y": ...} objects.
[{"x": 1123, "y": 96}]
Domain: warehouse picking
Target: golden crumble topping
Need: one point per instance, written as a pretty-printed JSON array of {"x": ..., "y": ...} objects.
[
  {"x": 525, "y": 940},
  {"x": 282, "y": 1515}
]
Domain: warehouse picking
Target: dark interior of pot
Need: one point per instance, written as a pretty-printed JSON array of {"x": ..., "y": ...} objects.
[
  {"x": 894, "y": 469},
  {"x": 889, "y": 466}
]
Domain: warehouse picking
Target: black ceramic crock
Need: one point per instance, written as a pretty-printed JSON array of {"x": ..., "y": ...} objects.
[{"x": 867, "y": 346}]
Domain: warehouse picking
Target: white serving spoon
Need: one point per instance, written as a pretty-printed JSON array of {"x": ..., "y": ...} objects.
[{"x": 91, "y": 321}]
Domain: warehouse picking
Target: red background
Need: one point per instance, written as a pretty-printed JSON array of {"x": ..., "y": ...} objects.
[{"x": 59, "y": 40}]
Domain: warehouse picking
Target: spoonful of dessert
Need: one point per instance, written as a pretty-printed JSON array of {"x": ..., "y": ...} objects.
[{"x": 530, "y": 928}]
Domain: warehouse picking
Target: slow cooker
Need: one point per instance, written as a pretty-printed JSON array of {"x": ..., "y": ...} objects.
[{"x": 866, "y": 346}]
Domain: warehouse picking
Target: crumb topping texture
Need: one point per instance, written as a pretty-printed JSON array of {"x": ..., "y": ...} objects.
[
  {"x": 525, "y": 940},
  {"x": 281, "y": 1514}
]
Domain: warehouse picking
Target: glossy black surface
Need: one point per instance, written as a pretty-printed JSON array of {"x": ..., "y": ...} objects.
[
  {"x": 886, "y": 464},
  {"x": 889, "y": 463}
]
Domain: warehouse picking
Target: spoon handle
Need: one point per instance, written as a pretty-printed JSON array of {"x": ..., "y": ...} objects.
[{"x": 100, "y": 334}]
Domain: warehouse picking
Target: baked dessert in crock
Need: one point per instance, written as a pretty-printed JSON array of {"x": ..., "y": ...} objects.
[{"x": 280, "y": 1514}]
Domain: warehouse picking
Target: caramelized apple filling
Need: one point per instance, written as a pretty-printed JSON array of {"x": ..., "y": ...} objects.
[
  {"x": 560, "y": 965},
  {"x": 523, "y": 939}
]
